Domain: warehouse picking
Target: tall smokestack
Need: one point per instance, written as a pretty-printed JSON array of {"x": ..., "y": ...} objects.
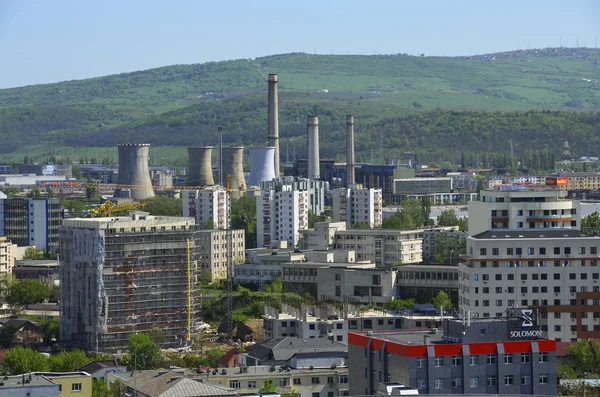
[
  {"x": 274, "y": 119},
  {"x": 350, "y": 178},
  {"x": 199, "y": 172},
  {"x": 261, "y": 165},
  {"x": 133, "y": 170},
  {"x": 312, "y": 130},
  {"x": 233, "y": 165}
]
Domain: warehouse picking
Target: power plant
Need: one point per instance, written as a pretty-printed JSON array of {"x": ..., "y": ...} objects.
[
  {"x": 274, "y": 120},
  {"x": 199, "y": 172},
  {"x": 233, "y": 162},
  {"x": 312, "y": 131},
  {"x": 133, "y": 170},
  {"x": 262, "y": 165},
  {"x": 350, "y": 177}
]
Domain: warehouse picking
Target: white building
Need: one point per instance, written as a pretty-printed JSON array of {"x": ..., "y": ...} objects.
[
  {"x": 264, "y": 264},
  {"x": 7, "y": 260},
  {"x": 523, "y": 208},
  {"x": 553, "y": 272},
  {"x": 210, "y": 207},
  {"x": 315, "y": 190},
  {"x": 321, "y": 237},
  {"x": 357, "y": 205},
  {"x": 212, "y": 247},
  {"x": 31, "y": 222}
]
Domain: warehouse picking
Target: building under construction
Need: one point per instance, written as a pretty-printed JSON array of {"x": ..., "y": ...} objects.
[{"x": 121, "y": 275}]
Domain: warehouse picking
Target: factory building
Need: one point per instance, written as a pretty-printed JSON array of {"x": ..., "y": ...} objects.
[
  {"x": 121, "y": 275},
  {"x": 479, "y": 357},
  {"x": 213, "y": 247},
  {"x": 356, "y": 205},
  {"x": 31, "y": 222},
  {"x": 282, "y": 208},
  {"x": 211, "y": 207}
]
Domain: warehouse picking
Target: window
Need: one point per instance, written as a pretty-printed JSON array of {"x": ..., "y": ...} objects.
[
  {"x": 593, "y": 250},
  {"x": 77, "y": 387},
  {"x": 543, "y": 379},
  {"x": 582, "y": 250},
  {"x": 456, "y": 382},
  {"x": 473, "y": 360},
  {"x": 526, "y": 380},
  {"x": 491, "y": 381},
  {"x": 508, "y": 359},
  {"x": 519, "y": 251},
  {"x": 474, "y": 381},
  {"x": 557, "y": 276},
  {"x": 498, "y": 277},
  {"x": 330, "y": 380},
  {"x": 482, "y": 251},
  {"x": 543, "y": 251},
  {"x": 421, "y": 384},
  {"x": 439, "y": 361},
  {"x": 311, "y": 327},
  {"x": 495, "y": 251},
  {"x": 297, "y": 381},
  {"x": 284, "y": 382},
  {"x": 235, "y": 384},
  {"x": 525, "y": 358},
  {"x": 343, "y": 379},
  {"x": 456, "y": 360},
  {"x": 509, "y": 380},
  {"x": 439, "y": 383},
  {"x": 530, "y": 251},
  {"x": 543, "y": 357},
  {"x": 491, "y": 359},
  {"x": 420, "y": 362},
  {"x": 556, "y": 250},
  {"x": 315, "y": 380},
  {"x": 251, "y": 384}
]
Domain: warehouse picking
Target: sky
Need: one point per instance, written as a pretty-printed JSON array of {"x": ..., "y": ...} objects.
[{"x": 49, "y": 41}]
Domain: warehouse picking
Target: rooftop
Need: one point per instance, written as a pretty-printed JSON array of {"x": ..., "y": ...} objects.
[
  {"x": 25, "y": 379},
  {"x": 36, "y": 263},
  {"x": 531, "y": 234}
]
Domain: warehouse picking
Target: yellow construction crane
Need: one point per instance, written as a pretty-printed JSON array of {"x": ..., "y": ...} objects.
[{"x": 108, "y": 208}]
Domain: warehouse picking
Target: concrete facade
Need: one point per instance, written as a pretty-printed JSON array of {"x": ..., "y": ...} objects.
[
  {"x": 357, "y": 205},
  {"x": 7, "y": 260},
  {"x": 212, "y": 247},
  {"x": 321, "y": 237},
  {"x": 423, "y": 282},
  {"x": 199, "y": 172},
  {"x": 31, "y": 222},
  {"x": 121, "y": 275},
  {"x": 134, "y": 171},
  {"x": 210, "y": 205}
]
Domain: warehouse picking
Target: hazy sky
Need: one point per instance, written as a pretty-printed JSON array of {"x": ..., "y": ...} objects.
[{"x": 47, "y": 41}]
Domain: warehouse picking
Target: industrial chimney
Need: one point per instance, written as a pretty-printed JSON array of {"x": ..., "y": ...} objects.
[
  {"x": 261, "y": 165},
  {"x": 312, "y": 131},
  {"x": 199, "y": 172},
  {"x": 274, "y": 120},
  {"x": 350, "y": 178},
  {"x": 133, "y": 170},
  {"x": 233, "y": 166}
]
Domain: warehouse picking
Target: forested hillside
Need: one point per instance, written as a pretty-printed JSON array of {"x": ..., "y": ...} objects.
[{"x": 435, "y": 106}]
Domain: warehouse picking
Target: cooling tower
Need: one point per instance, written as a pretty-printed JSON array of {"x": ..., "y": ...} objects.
[
  {"x": 312, "y": 132},
  {"x": 199, "y": 172},
  {"x": 261, "y": 165},
  {"x": 350, "y": 178},
  {"x": 233, "y": 158},
  {"x": 274, "y": 120},
  {"x": 133, "y": 170}
]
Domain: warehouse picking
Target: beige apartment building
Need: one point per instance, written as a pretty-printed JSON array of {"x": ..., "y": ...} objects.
[
  {"x": 7, "y": 260},
  {"x": 212, "y": 247},
  {"x": 553, "y": 272}
]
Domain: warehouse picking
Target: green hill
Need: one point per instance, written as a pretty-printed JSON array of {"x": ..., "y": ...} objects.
[{"x": 394, "y": 99}]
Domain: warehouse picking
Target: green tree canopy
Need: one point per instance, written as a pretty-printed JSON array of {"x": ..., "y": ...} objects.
[
  {"x": 268, "y": 387},
  {"x": 243, "y": 216},
  {"x": 26, "y": 292},
  {"x": 585, "y": 355},
  {"x": 68, "y": 361},
  {"x": 441, "y": 299},
  {"x": 165, "y": 206},
  {"x": 21, "y": 360},
  {"x": 76, "y": 208},
  {"x": 314, "y": 218},
  {"x": 394, "y": 304},
  {"x": 7, "y": 336},
  {"x": 447, "y": 218},
  {"x": 591, "y": 223},
  {"x": 142, "y": 353},
  {"x": 33, "y": 253}
]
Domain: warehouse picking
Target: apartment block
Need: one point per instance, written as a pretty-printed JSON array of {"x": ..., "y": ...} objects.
[
  {"x": 210, "y": 207},
  {"x": 121, "y": 275},
  {"x": 582, "y": 180},
  {"x": 554, "y": 272},
  {"x": 31, "y": 222},
  {"x": 357, "y": 206},
  {"x": 384, "y": 247},
  {"x": 7, "y": 260},
  {"x": 523, "y": 208},
  {"x": 477, "y": 358},
  {"x": 264, "y": 264},
  {"x": 213, "y": 246},
  {"x": 321, "y": 237}
]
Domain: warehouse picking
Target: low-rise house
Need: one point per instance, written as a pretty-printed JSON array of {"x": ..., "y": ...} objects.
[
  {"x": 100, "y": 369},
  {"x": 231, "y": 359},
  {"x": 27, "y": 332},
  {"x": 281, "y": 351}
]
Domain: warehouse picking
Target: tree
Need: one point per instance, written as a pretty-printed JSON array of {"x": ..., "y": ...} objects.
[
  {"x": 35, "y": 192},
  {"x": 274, "y": 287},
  {"x": 76, "y": 172},
  {"x": 13, "y": 191},
  {"x": 33, "y": 253},
  {"x": 165, "y": 206},
  {"x": 361, "y": 225},
  {"x": 447, "y": 218},
  {"x": 591, "y": 223},
  {"x": 395, "y": 304},
  {"x": 67, "y": 361},
  {"x": 7, "y": 336},
  {"x": 314, "y": 218},
  {"x": 441, "y": 299},
  {"x": 425, "y": 210},
  {"x": 99, "y": 388},
  {"x": 21, "y": 360},
  {"x": 209, "y": 225},
  {"x": 212, "y": 356},
  {"x": 142, "y": 353},
  {"x": 585, "y": 355},
  {"x": 268, "y": 387},
  {"x": 76, "y": 208},
  {"x": 440, "y": 253},
  {"x": 463, "y": 224},
  {"x": 51, "y": 330},
  {"x": 243, "y": 216},
  {"x": 26, "y": 292},
  {"x": 49, "y": 192}
]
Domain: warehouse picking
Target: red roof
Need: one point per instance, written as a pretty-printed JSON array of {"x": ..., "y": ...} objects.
[{"x": 224, "y": 360}]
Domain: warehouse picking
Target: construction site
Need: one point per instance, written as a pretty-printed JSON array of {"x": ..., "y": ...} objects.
[{"x": 121, "y": 275}]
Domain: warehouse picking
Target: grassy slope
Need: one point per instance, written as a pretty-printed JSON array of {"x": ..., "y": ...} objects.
[{"x": 150, "y": 105}]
